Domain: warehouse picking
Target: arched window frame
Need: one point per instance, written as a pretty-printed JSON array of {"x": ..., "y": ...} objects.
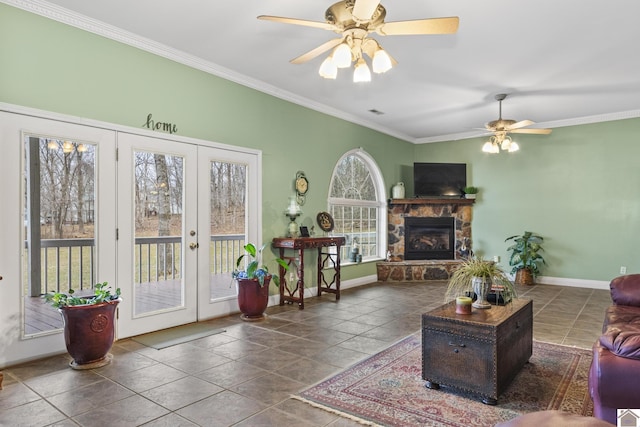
[{"x": 378, "y": 205}]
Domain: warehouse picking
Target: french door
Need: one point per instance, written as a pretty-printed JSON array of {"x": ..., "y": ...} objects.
[
  {"x": 184, "y": 213},
  {"x": 57, "y": 225},
  {"x": 162, "y": 219}
]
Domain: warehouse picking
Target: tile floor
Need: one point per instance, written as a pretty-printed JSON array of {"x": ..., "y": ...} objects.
[{"x": 244, "y": 376}]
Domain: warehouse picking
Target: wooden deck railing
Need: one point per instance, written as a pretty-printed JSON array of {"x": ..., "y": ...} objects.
[{"x": 69, "y": 263}]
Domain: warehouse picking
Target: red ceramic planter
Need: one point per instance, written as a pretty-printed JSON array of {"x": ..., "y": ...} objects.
[
  {"x": 253, "y": 298},
  {"x": 89, "y": 331}
]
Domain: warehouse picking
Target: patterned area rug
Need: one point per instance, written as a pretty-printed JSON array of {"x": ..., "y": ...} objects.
[{"x": 387, "y": 389}]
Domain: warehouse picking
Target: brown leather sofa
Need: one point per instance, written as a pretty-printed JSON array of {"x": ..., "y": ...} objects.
[{"x": 614, "y": 378}]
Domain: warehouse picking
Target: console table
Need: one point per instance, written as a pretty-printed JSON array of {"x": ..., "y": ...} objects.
[{"x": 326, "y": 259}]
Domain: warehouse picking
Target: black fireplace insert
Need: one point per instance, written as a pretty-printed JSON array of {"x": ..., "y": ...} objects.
[{"x": 429, "y": 238}]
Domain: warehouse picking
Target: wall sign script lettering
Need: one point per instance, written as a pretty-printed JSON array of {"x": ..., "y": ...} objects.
[{"x": 160, "y": 126}]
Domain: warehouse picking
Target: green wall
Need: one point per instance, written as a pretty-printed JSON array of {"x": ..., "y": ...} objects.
[
  {"x": 58, "y": 68},
  {"x": 577, "y": 187}
]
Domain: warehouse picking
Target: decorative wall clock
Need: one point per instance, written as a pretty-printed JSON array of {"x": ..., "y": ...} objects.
[{"x": 301, "y": 186}]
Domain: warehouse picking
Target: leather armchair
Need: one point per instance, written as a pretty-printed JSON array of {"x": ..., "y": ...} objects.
[{"x": 614, "y": 377}]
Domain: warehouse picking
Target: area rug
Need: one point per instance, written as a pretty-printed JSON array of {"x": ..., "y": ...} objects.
[
  {"x": 387, "y": 389},
  {"x": 178, "y": 335}
]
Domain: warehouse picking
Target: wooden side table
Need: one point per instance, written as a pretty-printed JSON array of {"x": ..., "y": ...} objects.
[{"x": 326, "y": 259}]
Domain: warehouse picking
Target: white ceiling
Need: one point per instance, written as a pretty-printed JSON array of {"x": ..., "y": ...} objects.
[{"x": 561, "y": 61}]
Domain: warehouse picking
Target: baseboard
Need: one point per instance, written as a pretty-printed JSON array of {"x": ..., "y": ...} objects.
[{"x": 577, "y": 283}]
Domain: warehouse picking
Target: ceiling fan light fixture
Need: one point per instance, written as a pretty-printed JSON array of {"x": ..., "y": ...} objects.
[
  {"x": 328, "y": 69},
  {"x": 361, "y": 74},
  {"x": 381, "y": 62},
  {"x": 488, "y": 147},
  {"x": 342, "y": 56},
  {"x": 513, "y": 147},
  {"x": 506, "y": 143}
]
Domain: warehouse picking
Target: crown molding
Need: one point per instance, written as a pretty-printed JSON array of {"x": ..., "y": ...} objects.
[
  {"x": 599, "y": 118},
  {"x": 66, "y": 16}
]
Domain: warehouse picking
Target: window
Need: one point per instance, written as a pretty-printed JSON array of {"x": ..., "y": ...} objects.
[{"x": 357, "y": 204}]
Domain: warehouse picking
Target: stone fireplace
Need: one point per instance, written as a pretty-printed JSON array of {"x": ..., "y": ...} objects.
[{"x": 430, "y": 216}]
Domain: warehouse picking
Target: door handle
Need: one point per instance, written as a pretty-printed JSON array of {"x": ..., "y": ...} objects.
[{"x": 194, "y": 246}]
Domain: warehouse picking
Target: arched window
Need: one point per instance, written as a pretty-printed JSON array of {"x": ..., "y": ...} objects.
[{"x": 357, "y": 203}]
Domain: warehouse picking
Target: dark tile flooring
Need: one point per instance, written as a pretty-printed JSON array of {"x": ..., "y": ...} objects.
[{"x": 244, "y": 376}]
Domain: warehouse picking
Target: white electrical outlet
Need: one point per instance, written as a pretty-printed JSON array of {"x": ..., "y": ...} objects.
[
  {"x": 623, "y": 270},
  {"x": 496, "y": 259}
]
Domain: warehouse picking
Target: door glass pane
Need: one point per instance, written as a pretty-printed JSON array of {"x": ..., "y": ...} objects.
[
  {"x": 227, "y": 201},
  {"x": 158, "y": 192},
  {"x": 59, "y": 225}
]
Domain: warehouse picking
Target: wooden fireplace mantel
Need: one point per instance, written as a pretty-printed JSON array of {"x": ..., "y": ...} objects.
[{"x": 431, "y": 201}]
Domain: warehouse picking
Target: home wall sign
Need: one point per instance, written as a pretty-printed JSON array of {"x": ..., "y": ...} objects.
[{"x": 160, "y": 126}]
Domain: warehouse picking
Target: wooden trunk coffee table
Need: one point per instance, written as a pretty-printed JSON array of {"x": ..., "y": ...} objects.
[{"x": 480, "y": 352}]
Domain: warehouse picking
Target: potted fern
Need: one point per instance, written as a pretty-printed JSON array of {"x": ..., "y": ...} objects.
[
  {"x": 525, "y": 257},
  {"x": 89, "y": 328},
  {"x": 253, "y": 282},
  {"x": 479, "y": 276}
]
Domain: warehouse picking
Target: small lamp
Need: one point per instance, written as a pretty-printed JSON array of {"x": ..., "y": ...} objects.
[{"x": 293, "y": 211}]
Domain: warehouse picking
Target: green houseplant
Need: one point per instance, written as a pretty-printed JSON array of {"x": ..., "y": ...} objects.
[
  {"x": 89, "y": 328},
  {"x": 253, "y": 282},
  {"x": 525, "y": 257},
  {"x": 470, "y": 192},
  {"x": 479, "y": 275}
]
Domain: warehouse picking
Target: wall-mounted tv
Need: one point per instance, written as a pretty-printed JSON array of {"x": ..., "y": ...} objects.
[{"x": 439, "y": 179}]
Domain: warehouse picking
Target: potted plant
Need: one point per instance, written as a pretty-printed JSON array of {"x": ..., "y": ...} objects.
[
  {"x": 89, "y": 328},
  {"x": 525, "y": 257},
  {"x": 470, "y": 192},
  {"x": 479, "y": 276},
  {"x": 253, "y": 282}
]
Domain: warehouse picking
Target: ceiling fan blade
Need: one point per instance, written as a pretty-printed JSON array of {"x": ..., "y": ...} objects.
[
  {"x": 520, "y": 124},
  {"x": 363, "y": 9},
  {"x": 532, "y": 131},
  {"x": 421, "y": 26},
  {"x": 317, "y": 51},
  {"x": 294, "y": 21}
]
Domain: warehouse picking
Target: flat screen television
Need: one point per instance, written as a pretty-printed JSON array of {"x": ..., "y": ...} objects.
[{"x": 439, "y": 179}]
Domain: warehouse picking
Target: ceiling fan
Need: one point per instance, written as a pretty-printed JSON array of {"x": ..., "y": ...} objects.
[
  {"x": 501, "y": 129},
  {"x": 354, "y": 20}
]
